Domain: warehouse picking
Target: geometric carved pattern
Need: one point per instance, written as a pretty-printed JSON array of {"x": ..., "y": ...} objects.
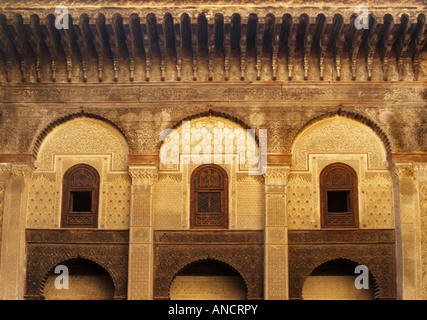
[
  {"x": 84, "y": 136},
  {"x": 242, "y": 251},
  {"x": 299, "y": 203},
  {"x": 211, "y": 237},
  {"x": 276, "y": 215},
  {"x": 423, "y": 207},
  {"x": 42, "y": 206},
  {"x": 168, "y": 194},
  {"x": 48, "y": 248},
  {"x": 218, "y": 136},
  {"x": 250, "y": 203},
  {"x": 58, "y": 122},
  {"x": 357, "y": 117},
  {"x": 117, "y": 203},
  {"x": 2, "y": 192},
  {"x": 372, "y": 248},
  {"x": 141, "y": 208},
  {"x": 377, "y": 203},
  {"x": 277, "y": 267},
  {"x": 139, "y": 273},
  {"x": 335, "y": 136}
]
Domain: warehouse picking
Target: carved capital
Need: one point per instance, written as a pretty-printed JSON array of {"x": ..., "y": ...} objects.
[
  {"x": 143, "y": 175},
  {"x": 402, "y": 170},
  {"x": 276, "y": 175},
  {"x": 21, "y": 171},
  {"x": 16, "y": 170},
  {"x": 420, "y": 169},
  {"x": 5, "y": 168}
]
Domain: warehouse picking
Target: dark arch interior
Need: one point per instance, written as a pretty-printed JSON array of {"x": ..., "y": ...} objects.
[
  {"x": 335, "y": 267},
  {"x": 208, "y": 268},
  {"x": 80, "y": 266},
  {"x": 87, "y": 280},
  {"x": 208, "y": 280},
  {"x": 344, "y": 268}
]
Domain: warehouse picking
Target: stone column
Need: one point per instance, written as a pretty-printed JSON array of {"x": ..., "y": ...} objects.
[
  {"x": 13, "y": 208},
  {"x": 276, "y": 235},
  {"x": 420, "y": 175},
  {"x": 140, "y": 283},
  {"x": 408, "y": 237}
]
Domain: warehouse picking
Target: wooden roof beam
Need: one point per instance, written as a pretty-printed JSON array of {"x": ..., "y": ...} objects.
[
  {"x": 276, "y": 47},
  {"x": 211, "y": 46},
  {"x": 292, "y": 40},
  {"x": 243, "y": 46},
  {"x": 98, "y": 29},
  {"x": 227, "y": 46},
  {"x": 259, "y": 46},
  {"x": 51, "y": 36}
]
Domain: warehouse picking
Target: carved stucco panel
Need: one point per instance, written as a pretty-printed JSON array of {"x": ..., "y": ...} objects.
[
  {"x": 250, "y": 203},
  {"x": 116, "y": 209},
  {"x": 42, "y": 204},
  {"x": 277, "y": 265},
  {"x": 300, "y": 204},
  {"x": 220, "y": 137},
  {"x": 420, "y": 170},
  {"x": 338, "y": 135},
  {"x": 45, "y": 194},
  {"x": 2, "y": 193},
  {"x": 377, "y": 201},
  {"x": 84, "y": 136},
  {"x": 168, "y": 202},
  {"x": 139, "y": 273}
]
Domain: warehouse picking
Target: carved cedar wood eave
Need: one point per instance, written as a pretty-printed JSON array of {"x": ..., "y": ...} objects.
[
  {"x": 48, "y": 248},
  {"x": 373, "y": 248},
  {"x": 243, "y": 251},
  {"x": 156, "y": 36}
]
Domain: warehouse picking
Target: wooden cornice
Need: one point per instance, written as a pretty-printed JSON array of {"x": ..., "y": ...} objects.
[{"x": 105, "y": 40}]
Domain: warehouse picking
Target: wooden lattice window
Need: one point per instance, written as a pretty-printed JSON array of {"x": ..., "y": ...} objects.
[
  {"x": 209, "y": 198},
  {"x": 339, "y": 197},
  {"x": 80, "y": 197}
]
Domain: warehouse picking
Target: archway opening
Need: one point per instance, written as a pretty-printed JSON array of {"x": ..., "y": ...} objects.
[
  {"x": 86, "y": 281},
  {"x": 335, "y": 280},
  {"x": 208, "y": 280}
]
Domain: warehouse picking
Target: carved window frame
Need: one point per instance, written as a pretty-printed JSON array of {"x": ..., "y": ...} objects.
[
  {"x": 330, "y": 179},
  {"x": 91, "y": 217},
  {"x": 196, "y": 190}
]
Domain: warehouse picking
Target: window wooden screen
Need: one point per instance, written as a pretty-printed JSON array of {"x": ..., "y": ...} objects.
[
  {"x": 80, "y": 197},
  {"x": 209, "y": 198},
  {"x": 339, "y": 197}
]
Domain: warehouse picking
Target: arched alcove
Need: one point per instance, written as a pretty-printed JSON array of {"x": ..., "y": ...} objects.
[
  {"x": 209, "y": 138},
  {"x": 82, "y": 136},
  {"x": 86, "y": 281},
  {"x": 208, "y": 280},
  {"x": 339, "y": 135},
  {"x": 335, "y": 280}
]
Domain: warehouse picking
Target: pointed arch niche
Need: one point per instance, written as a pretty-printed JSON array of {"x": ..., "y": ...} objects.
[
  {"x": 80, "y": 139},
  {"x": 340, "y": 139},
  {"x": 215, "y": 139}
]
